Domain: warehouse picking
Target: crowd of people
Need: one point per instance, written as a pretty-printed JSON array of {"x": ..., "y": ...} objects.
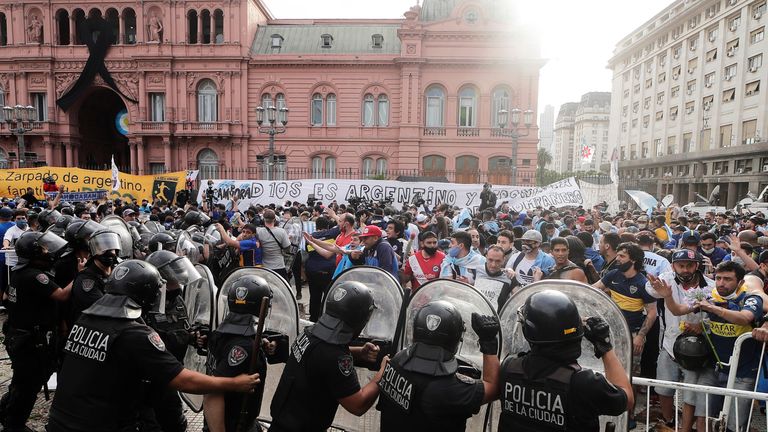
[{"x": 93, "y": 290}]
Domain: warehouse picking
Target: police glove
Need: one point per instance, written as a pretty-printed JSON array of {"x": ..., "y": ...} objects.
[
  {"x": 486, "y": 327},
  {"x": 596, "y": 330}
]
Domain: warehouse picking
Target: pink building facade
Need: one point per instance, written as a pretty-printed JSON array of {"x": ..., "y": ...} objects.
[{"x": 366, "y": 98}]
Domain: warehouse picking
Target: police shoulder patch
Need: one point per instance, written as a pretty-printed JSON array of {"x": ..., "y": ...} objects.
[
  {"x": 42, "y": 278},
  {"x": 346, "y": 365},
  {"x": 88, "y": 285},
  {"x": 465, "y": 379},
  {"x": 156, "y": 341},
  {"x": 237, "y": 355}
]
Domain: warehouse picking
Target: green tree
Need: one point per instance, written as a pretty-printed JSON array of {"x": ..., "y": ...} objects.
[{"x": 543, "y": 158}]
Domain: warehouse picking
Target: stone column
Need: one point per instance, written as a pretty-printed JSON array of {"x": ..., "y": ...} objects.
[
  {"x": 68, "y": 150},
  {"x": 132, "y": 147},
  {"x": 676, "y": 189},
  {"x": 48, "y": 153},
  {"x": 692, "y": 189},
  {"x": 200, "y": 27},
  {"x": 167, "y": 156},
  {"x": 733, "y": 197},
  {"x": 75, "y": 154},
  {"x": 72, "y": 30},
  {"x": 213, "y": 28},
  {"x": 140, "y": 161}
]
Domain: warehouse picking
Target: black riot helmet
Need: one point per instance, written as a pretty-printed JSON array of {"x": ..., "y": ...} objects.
[
  {"x": 176, "y": 270},
  {"x": 195, "y": 218},
  {"x": 550, "y": 316},
  {"x": 47, "y": 218},
  {"x": 439, "y": 323},
  {"x": 79, "y": 231},
  {"x": 61, "y": 224},
  {"x": 246, "y": 293},
  {"x": 138, "y": 280},
  {"x": 348, "y": 307},
  {"x": 104, "y": 240},
  {"x": 36, "y": 246},
  {"x": 691, "y": 351},
  {"x": 162, "y": 241}
]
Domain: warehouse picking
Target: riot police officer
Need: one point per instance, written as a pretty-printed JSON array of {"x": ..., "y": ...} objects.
[
  {"x": 162, "y": 241},
  {"x": 320, "y": 372},
  {"x": 76, "y": 235},
  {"x": 32, "y": 324},
  {"x": 109, "y": 352},
  {"x": 546, "y": 389},
  {"x": 172, "y": 324},
  {"x": 421, "y": 389},
  {"x": 230, "y": 351},
  {"x": 104, "y": 248}
]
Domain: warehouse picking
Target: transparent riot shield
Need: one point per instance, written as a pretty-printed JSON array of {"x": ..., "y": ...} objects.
[
  {"x": 380, "y": 330},
  {"x": 591, "y": 302},
  {"x": 188, "y": 248},
  {"x": 200, "y": 300},
  {"x": 154, "y": 226},
  {"x": 282, "y": 319},
  {"x": 117, "y": 224}
]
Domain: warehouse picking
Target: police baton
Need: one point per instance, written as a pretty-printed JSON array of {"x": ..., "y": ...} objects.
[{"x": 255, "y": 358}]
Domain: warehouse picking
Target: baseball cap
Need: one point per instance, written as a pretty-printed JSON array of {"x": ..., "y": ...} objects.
[
  {"x": 686, "y": 255},
  {"x": 532, "y": 235},
  {"x": 691, "y": 237},
  {"x": 605, "y": 226},
  {"x": 421, "y": 218},
  {"x": 6, "y": 213},
  {"x": 642, "y": 219},
  {"x": 370, "y": 231},
  {"x": 128, "y": 212}
]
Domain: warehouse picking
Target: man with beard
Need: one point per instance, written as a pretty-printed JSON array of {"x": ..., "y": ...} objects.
[
  {"x": 491, "y": 280},
  {"x": 424, "y": 265},
  {"x": 609, "y": 243},
  {"x": 675, "y": 287},
  {"x": 575, "y": 396}
]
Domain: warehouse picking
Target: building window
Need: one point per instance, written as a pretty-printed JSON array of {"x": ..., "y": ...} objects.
[
  {"x": 734, "y": 22},
  {"x": 690, "y": 107},
  {"x": 192, "y": 27},
  {"x": 676, "y": 72},
  {"x": 693, "y": 44},
  {"x": 2, "y": 97},
  {"x": 755, "y": 62},
  {"x": 676, "y": 51},
  {"x": 712, "y": 34},
  {"x": 157, "y": 107},
  {"x": 38, "y": 101},
  {"x": 467, "y": 169},
  {"x": 729, "y": 95},
  {"x": 433, "y": 165},
  {"x": 673, "y": 113},
  {"x": 326, "y": 41},
  {"x": 636, "y": 89},
  {"x": 671, "y": 145},
  {"x": 266, "y": 100},
  {"x": 659, "y": 115},
  {"x": 277, "y": 41},
  {"x": 467, "y": 107},
  {"x": 218, "y": 26},
  {"x": 383, "y": 110},
  {"x": 368, "y": 108},
  {"x": 435, "y": 107},
  {"x": 757, "y": 35},
  {"x": 280, "y": 101},
  {"x": 675, "y": 91},
  {"x": 207, "y": 102},
  {"x": 317, "y": 110},
  {"x": 129, "y": 26},
  {"x": 79, "y": 17},
  {"x": 500, "y": 101},
  {"x": 330, "y": 110},
  {"x": 373, "y": 166},
  {"x": 662, "y": 77},
  {"x": 707, "y": 102},
  {"x": 62, "y": 23},
  {"x": 324, "y": 167},
  {"x": 730, "y": 72},
  {"x": 732, "y": 47},
  {"x": 208, "y": 164},
  {"x": 726, "y": 138},
  {"x": 749, "y": 132},
  {"x": 709, "y": 80},
  {"x": 113, "y": 19},
  {"x": 752, "y": 88},
  {"x": 205, "y": 17},
  {"x": 758, "y": 10},
  {"x": 647, "y": 103},
  {"x": 711, "y": 55},
  {"x": 275, "y": 171},
  {"x": 648, "y": 83},
  {"x": 692, "y": 65},
  {"x": 377, "y": 41}
]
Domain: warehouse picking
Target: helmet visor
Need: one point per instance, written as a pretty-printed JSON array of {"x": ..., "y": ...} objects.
[
  {"x": 52, "y": 242},
  {"x": 52, "y": 217},
  {"x": 159, "y": 306},
  {"x": 180, "y": 270},
  {"x": 186, "y": 247},
  {"x": 104, "y": 241}
]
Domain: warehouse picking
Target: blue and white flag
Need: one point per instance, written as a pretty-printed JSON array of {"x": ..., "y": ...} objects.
[{"x": 115, "y": 175}]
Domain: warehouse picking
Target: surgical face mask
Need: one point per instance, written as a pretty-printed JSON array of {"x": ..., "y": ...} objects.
[
  {"x": 454, "y": 251},
  {"x": 737, "y": 260},
  {"x": 708, "y": 251},
  {"x": 22, "y": 224},
  {"x": 431, "y": 251},
  {"x": 526, "y": 249},
  {"x": 625, "y": 267}
]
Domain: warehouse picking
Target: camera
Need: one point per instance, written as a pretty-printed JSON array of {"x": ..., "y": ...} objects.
[{"x": 311, "y": 200}]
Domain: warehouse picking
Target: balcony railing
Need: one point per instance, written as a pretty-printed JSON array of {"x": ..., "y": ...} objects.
[
  {"x": 434, "y": 131},
  {"x": 467, "y": 132}
]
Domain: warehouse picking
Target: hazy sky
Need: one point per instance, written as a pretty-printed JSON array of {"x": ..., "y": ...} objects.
[{"x": 578, "y": 37}]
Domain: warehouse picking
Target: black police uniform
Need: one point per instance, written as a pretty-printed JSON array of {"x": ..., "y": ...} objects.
[
  {"x": 316, "y": 376},
  {"x": 106, "y": 359},
  {"x": 539, "y": 396},
  {"x": 229, "y": 355},
  {"x": 411, "y": 400},
  {"x": 65, "y": 269},
  {"x": 29, "y": 333},
  {"x": 173, "y": 327},
  {"x": 87, "y": 287}
]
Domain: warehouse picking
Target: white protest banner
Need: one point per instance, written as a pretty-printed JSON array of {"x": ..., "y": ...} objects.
[{"x": 565, "y": 192}]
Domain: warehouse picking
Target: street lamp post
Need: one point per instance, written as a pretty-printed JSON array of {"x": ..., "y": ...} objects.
[
  {"x": 512, "y": 118},
  {"x": 19, "y": 115},
  {"x": 274, "y": 115}
]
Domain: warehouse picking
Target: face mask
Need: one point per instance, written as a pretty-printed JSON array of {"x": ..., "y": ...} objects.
[
  {"x": 685, "y": 277},
  {"x": 708, "y": 251},
  {"x": 21, "y": 224},
  {"x": 737, "y": 260},
  {"x": 431, "y": 251},
  {"x": 168, "y": 225},
  {"x": 454, "y": 252},
  {"x": 625, "y": 267},
  {"x": 526, "y": 249},
  {"x": 106, "y": 260}
]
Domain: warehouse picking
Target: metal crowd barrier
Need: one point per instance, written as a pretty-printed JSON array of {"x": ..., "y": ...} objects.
[{"x": 728, "y": 392}]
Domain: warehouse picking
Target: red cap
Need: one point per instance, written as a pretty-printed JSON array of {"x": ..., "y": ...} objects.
[{"x": 370, "y": 231}]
